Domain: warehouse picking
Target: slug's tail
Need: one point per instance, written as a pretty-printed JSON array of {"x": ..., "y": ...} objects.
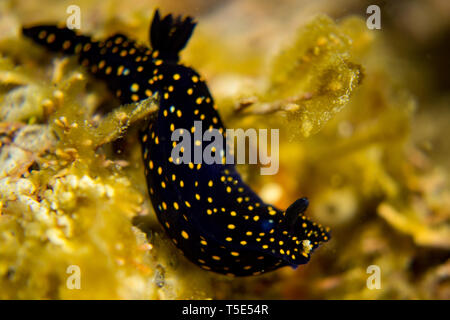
[
  {"x": 170, "y": 35},
  {"x": 56, "y": 39}
]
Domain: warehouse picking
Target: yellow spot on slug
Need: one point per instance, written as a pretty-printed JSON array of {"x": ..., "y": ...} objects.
[
  {"x": 134, "y": 87},
  {"x": 51, "y": 38}
]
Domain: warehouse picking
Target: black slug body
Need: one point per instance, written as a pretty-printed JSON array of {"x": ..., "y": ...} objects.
[{"x": 207, "y": 210}]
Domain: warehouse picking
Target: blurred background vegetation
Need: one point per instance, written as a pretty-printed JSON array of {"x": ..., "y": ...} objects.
[{"x": 363, "y": 117}]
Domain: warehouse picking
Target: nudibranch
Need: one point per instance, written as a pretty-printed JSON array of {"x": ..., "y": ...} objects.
[{"x": 216, "y": 219}]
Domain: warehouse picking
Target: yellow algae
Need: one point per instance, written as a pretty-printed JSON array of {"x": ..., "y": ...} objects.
[
  {"x": 66, "y": 207},
  {"x": 372, "y": 161},
  {"x": 312, "y": 79}
]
